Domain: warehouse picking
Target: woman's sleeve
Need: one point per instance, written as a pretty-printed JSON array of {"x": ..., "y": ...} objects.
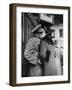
[{"x": 43, "y": 49}]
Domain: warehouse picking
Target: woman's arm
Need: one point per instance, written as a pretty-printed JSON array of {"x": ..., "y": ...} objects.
[{"x": 43, "y": 49}]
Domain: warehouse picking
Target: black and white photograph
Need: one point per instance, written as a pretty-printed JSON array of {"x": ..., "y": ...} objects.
[{"x": 41, "y": 44}]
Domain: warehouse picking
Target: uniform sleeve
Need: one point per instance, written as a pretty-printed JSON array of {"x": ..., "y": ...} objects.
[
  {"x": 30, "y": 53},
  {"x": 43, "y": 49}
]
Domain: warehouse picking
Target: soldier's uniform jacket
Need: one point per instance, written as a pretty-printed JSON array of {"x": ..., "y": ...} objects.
[
  {"x": 31, "y": 50},
  {"x": 31, "y": 54}
]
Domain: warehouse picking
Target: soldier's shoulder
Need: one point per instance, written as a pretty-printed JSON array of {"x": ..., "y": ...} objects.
[{"x": 31, "y": 40}]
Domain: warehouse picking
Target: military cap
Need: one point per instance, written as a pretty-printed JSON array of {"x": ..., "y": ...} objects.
[{"x": 36, "y": 28}]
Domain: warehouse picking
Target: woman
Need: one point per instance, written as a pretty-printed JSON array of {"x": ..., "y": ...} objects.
[{"x": 47, "y": 53}]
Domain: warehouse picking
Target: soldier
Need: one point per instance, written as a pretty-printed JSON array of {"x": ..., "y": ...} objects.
[{"x": 31, "y": 52}]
